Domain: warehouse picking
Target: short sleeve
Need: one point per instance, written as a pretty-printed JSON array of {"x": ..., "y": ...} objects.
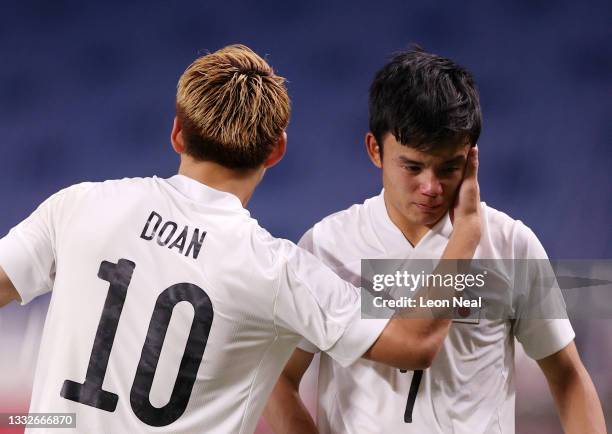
[
  {"x": 542, "y": 330},
  {"x": 315, "y": 303},
  {"x": 28, "y": 251},
  {"x": 306, "y": 243},
  {"x": 307, "y": 346},
  {"x": 542, "y": 337}
]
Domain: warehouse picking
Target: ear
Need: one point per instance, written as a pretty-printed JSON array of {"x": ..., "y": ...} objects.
[
  {"x": 277, "y": 151},
  {"x": 373, "y": 149},
  {"x": 176, "y": 136}
]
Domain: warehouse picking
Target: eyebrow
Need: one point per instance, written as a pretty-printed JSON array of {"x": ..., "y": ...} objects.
[
  {"x": 457, "y": 159},
  {"x": 405, "y": 160},
  {"x": 454, "y": 160}
]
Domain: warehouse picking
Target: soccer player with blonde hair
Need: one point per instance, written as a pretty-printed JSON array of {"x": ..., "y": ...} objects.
[{"x": 171, "y": 308}]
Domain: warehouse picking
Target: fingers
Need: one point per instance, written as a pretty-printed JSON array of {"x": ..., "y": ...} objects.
[
  {"x": 471, "y": 169},
  {"x": 468, "y": 197}
]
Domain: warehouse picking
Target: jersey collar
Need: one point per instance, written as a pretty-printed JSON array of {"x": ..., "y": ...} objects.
[
  {"x": 204, "y": 194},
  {"x": 392, "y": 238}
]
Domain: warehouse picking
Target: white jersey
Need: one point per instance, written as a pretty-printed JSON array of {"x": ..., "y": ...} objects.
[
  {"x": 171, "y": 310},
  {"x": 469, "y": 389}
]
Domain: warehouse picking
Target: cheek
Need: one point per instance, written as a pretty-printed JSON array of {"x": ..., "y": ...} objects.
[
  {"x": 451, "y": 186},
  {"x": 408, "y": 188},
  {"x": 397, "y": 180},
  {"x": 406, "y": 181}
]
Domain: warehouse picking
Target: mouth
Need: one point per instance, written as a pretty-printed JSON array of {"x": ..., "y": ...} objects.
[{"x": 428, "y": 208}]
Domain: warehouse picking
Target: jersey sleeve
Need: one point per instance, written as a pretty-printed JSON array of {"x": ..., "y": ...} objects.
[
  {"x": 542, "y": 330},
  {"x": 28, "y": 251},
  {"x": 306, "y": 243},
  {"x": 315, "y": 303}
]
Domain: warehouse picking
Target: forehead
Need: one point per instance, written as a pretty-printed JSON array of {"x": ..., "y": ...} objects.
[{"x": 436, "y": 155}]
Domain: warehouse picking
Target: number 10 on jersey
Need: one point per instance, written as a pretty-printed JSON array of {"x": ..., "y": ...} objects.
[{"x": 90, "y": 392}]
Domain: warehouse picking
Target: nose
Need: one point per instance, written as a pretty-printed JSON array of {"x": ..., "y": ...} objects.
[{"x": 430, "y": 184}]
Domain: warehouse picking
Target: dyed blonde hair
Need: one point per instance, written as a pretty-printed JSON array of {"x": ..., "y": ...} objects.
[{"x": 232, "y": 107}]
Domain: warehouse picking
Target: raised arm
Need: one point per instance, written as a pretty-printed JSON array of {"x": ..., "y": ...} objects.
[
  {"x": 404, "y": 343},
  {"x": 8, "y": 292},
  {"x": 412, "y": 341}
]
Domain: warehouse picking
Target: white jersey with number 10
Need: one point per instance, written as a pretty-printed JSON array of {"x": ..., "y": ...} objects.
[{"x": 171, "y": 309}]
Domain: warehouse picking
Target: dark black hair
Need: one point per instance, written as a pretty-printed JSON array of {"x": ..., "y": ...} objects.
[{"x": 425, "y": 101}]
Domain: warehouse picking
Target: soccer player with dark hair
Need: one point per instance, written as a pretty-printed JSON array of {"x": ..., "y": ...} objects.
[
  {"x": 171, "y": 308},
  {"x": 425, "y": 118}
]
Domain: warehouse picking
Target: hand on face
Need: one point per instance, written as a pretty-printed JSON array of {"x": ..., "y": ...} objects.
[{"x": 466, "y": 210}]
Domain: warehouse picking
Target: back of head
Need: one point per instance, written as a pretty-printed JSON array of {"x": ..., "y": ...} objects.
[
  {"x": 232, "y": 108},
  {"x": 425, "y": 101}
]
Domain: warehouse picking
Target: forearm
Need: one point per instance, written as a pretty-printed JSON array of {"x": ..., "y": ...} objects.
[
  {"x": 415, "y": 334},
  {"x": 464, "y": 239},
  {"x": 435, "y": 321},
  {"x": 285, "y": 412},
  {"x": 5, "y": 299},
  {"x": 578, "y": 404}
]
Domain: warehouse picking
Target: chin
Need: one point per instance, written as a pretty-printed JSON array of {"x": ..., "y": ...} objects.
[
  {"x": 427, "y": 219},
  {"x": 430, "y": 221}
]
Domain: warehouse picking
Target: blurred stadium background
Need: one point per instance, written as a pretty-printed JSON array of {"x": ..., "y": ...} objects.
[{"x": 87, "y": 93}]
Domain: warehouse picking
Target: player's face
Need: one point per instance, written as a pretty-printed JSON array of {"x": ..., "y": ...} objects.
[{"x": 421, "y": 187}]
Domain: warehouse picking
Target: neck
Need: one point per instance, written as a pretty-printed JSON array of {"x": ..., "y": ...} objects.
[
  {"x": 412, "y": 232},
  {"x": 240, "y": 183}
]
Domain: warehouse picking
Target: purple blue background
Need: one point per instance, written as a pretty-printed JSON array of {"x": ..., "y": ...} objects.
[{"x": 87, "y": 93}]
